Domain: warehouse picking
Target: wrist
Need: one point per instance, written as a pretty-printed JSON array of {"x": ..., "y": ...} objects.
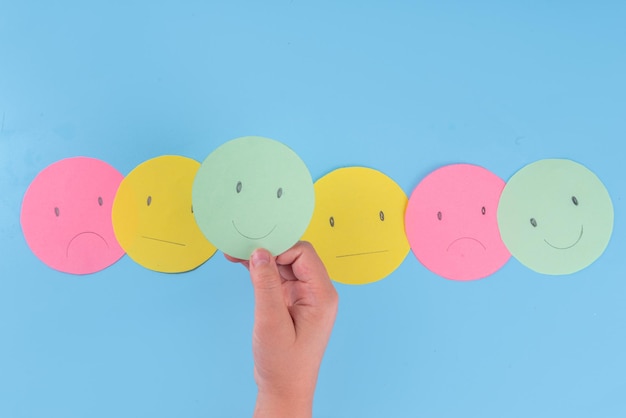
[{"x": 292, "y": 405}]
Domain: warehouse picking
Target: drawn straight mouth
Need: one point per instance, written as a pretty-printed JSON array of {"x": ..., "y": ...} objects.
[
  {"x": 462, "y": 238},
  {"x": 67, "y": 250},
  {"x": 365, "y": 253},
  {"x": 254, "y": 238},
  {"x": 570, "y": 246},
  {"x": 164, "y": 240}
]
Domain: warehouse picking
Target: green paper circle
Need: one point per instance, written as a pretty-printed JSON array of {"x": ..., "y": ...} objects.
[
  {"x": 555, "y": 216},
  {"x": 253, "y": 192}
]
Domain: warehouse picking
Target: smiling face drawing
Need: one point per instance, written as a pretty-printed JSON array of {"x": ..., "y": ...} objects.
[
  {"x": 153, "y": 216},
  {"x": 358, "y": 225},
  {"x": 451, "y": 222},
  {"x": 253, "y": 192},
  {"x": 555, "y": 216},
  {"x": 66, "y": 215}
]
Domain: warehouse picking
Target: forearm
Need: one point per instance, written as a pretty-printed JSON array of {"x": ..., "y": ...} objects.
[{"x": 272, "y": 406}]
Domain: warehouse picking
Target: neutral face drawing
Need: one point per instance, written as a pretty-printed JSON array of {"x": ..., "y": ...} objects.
[
  {"x": 153, "y": 216},
  {"x": 358, "y": 225}
]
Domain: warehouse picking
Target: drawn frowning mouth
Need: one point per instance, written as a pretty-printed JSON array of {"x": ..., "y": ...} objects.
[
  {"x": 463, "y": 238},
  {"x": 569, "y": 246},
  {"x": 253, "y": 238},
  {"x": 67, "y": 250}
]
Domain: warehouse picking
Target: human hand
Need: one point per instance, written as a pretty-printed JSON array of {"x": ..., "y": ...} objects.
[{"x": 295, "y": 309}]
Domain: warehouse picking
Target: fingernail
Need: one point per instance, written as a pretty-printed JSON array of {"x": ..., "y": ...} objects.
[{"x": 260, "y": 257}]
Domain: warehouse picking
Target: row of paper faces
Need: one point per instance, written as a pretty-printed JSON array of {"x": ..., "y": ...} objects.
[{"x": 172, "y": 213}]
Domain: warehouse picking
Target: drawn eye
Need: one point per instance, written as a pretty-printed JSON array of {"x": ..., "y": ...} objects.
[
  {"x": 574, "y": 200},
  {"x": 57, "y": 212},
  {"x": 439, "y": 215},
  {"x": 100, "y": 201},
  {"x": 483, "y": 210},
  {"x": 533, "y": 222},
  {"x": 239, "y": 185},
  {"x": 381, "y": 215},
  {"x": 279, "y": 192},
  {"x": 191, "y": 208},
  {"x": 149, "y": 201},
  {"x": 332, "y": 222}
]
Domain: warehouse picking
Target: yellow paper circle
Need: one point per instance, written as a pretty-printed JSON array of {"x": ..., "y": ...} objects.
[
  {"x": 153, "y": 216},
  {"x": 358, "y": 225}
]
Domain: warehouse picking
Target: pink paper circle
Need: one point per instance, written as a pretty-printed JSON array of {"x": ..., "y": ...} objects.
[
  {"x": 451, "y": 222},
  {"x": 66, "y": 215}
]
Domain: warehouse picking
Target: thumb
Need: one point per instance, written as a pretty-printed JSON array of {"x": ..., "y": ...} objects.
[{"x": 268, "y": 293}]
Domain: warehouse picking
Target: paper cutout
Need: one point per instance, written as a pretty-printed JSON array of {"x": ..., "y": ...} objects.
[
  {"x": 153, "y": 218},
  {"x": 555, "y": 216},
  {"x": 66, "y": 215},
  {"x": 451, "y": 222},
  {"x": 253, "y": 192},
  {"x": 358, "y": 225}
]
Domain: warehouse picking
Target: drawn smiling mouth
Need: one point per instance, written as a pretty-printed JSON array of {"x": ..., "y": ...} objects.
[
  {"x": 253, "y": 238},
  {"x": 69, "y": 244},
  {"x": 365, "y": 253},
  {"x": 462, "y": 238},
  {"x": 570, "y": 246},
  {"x": 163, "y": 240}
]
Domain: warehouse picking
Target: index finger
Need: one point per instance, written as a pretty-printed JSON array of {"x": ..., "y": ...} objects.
[
  {"x": 245, "y": 263},
  {"x": 305, "y": 263}
]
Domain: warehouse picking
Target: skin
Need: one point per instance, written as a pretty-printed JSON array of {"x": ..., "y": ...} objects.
[{"x": 294, "y": 313}]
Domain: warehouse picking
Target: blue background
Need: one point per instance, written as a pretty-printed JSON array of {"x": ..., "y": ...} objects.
[{"x": 403, "y": 87}]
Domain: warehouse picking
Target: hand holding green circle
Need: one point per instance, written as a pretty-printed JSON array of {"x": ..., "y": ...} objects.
[
  {"x": 555, "y": 216},
  {"x": 253, "y": 192}
]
